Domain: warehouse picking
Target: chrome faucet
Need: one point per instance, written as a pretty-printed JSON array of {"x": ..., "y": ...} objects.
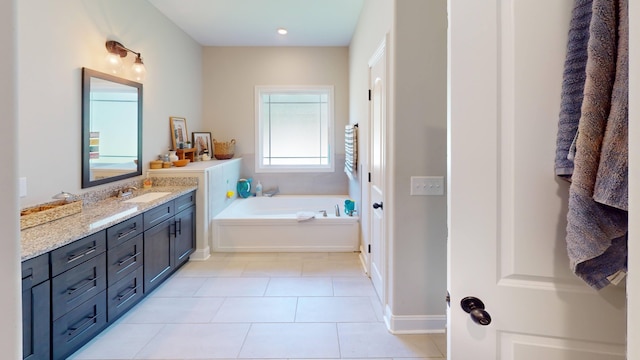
[
  {"x": 324, "y": 213},
  {"x": 337, "y": 210},
  {"x": 128, "y": 191}
]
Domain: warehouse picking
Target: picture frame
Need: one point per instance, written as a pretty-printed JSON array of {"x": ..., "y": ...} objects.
[
  {"x": 179, "y": 134},
  {"x": 202, "y": 141}
]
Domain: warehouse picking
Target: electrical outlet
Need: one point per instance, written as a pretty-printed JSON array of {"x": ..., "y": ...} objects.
[{"x": 427, "y": 185}]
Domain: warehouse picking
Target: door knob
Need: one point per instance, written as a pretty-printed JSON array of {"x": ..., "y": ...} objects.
[
  {"x": 377, "y": 205},
  {"x": 475, "y": 308}
]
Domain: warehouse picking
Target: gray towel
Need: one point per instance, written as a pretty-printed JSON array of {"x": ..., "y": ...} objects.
[
  {"x": 596, "y": 233},
  {"x": 572, "y": 87}
]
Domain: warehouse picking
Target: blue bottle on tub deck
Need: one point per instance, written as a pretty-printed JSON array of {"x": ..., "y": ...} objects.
[
  {"x": 349, "y": 207},
  {"x": 244, "y": 188}
]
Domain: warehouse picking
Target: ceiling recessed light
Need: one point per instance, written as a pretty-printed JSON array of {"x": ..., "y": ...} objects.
[{"x": 282, "y": 31}]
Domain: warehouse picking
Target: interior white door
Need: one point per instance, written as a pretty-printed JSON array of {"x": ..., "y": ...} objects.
[
  {"x": 377, "y": 66},
  {"x": 507, "y": 210}
]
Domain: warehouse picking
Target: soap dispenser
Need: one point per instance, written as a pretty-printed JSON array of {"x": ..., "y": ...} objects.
[{"x": 259, "y": 189}]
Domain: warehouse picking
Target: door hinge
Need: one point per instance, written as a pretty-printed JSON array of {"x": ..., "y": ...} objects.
[
  {"x": 369, "y": 249},
  {"x": 369, "y": 94},
  {"x": 369, "y": 177}
]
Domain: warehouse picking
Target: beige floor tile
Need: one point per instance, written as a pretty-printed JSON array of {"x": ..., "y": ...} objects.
[
  {"x": 273, "y": 268},
  {"x": 353, "y": 286},
  {"x": 335, "y": 309},
  {"x": 291, "y": 340},
  {"x": 159, "y": 310},
  {"x": 196, "y": 341},
  {"x": 257, "y": 309},
  {"x": 212, "y": 267},
  {"x": 223, "y": 286},
  {"x": 177, "y": 286},
  {"x": 120, "y": 341},
  {"x": 320, "y": 286},
  {"x": 332, "y": 268},
  {"x": 366, "y": 340}
]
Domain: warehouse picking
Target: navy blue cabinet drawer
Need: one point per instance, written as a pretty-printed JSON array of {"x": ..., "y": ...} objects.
[
  {"x": 158, "y": 214},
  {"x": 79, "y": 326},
  {"x": 35, "y": 271},
  {"x": 119, "y": 233},
  {"x": 125, "y": 293},
  {"x": 72, "y": 254},
  {"x": 71, "y": 288},
  {"x": 124, "y": 259},
  {"x": 185, "y": 201}
]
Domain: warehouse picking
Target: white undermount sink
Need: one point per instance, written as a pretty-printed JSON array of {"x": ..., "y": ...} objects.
[{"x": 147, "y": 197}]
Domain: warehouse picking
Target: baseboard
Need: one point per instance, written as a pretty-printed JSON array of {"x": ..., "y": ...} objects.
[
  {"x": 414, "y": 324},
  {"x": 200, "y": 254}
]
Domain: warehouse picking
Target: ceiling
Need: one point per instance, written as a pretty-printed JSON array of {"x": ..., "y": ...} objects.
[{"x": 254, "y": 22}]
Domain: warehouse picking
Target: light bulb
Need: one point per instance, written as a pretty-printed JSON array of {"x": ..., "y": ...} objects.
[
  {"x": 114, "y": 63},
  {"x": 138, "y": 69}
]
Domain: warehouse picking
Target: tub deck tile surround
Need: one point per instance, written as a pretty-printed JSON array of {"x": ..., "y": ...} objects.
[{"x": 100, "y": 210}]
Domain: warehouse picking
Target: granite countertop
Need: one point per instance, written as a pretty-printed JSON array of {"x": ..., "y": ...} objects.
[{"x": 93, "y": 218}]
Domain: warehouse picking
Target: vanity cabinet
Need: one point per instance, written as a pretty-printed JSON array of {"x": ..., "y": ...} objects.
[
  {"x": 72, "y": 293},
  {"x": 36, "y": 308}
]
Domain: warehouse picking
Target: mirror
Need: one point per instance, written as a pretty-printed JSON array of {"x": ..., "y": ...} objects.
[{"x": 111, "y": 128}]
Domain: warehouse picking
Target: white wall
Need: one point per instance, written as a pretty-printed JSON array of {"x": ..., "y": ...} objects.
[
  {"x": 417, "y": 124},
  {"x": 56, "y": 39},
  {"x": 374, "y": 24},
  {"x": 10, "y": 303},
  {"x": 230, "y": 76},
  {"x": 419, "y": 148}
]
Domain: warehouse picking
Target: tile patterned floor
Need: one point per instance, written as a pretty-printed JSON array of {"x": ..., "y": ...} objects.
[{"x": 261, "y": 306}]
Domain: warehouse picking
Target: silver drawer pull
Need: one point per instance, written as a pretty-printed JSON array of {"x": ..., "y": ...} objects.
[
  {"x": 128, "y": 258},
  {"x": 134, "y": 229},
  {"x": 74, "y": 257},
  {"x": 88, "y": 320},
  {"x": 83, "y": 284},
  {"x": 126, "y": 294}
]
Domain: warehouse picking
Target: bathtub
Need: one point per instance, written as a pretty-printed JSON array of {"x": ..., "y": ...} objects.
[{"x": 272, "y": 224}]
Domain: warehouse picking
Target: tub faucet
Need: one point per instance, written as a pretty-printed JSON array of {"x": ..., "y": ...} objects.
[
  {"x": 324, "y": 213},
  {"x": 271, "y": 192},
  {"x": 337, "y": 210}
]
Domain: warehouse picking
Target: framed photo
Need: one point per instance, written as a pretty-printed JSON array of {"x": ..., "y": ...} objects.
[
  {"x": 202, "y": 142},
  {"x": 178, "y": 131}
]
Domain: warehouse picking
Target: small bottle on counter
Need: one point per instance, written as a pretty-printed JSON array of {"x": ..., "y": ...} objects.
[
  {"x": 147, "y": 182},
  {"x": 259, "y": 189}
]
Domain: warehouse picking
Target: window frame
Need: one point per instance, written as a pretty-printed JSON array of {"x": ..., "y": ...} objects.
[{"x": 286, "y": 89}]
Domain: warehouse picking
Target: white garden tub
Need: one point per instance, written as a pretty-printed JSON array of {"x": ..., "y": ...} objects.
[{"x": 274, "y": 224}]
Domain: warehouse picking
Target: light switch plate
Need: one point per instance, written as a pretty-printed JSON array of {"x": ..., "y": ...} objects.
[
  {"x": 22, "y": 187},
  {"x": 427, "y": 185}
]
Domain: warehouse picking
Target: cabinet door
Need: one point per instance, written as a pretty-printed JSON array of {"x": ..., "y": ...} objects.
[
  {"x": 185, "y": 235},
  {"x": 158, "y": 253},
  {"x": 36, "y": 322}
]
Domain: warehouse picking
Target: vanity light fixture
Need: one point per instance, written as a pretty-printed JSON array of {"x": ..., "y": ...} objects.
[
  {"x": 282, "y": 31},
  {"x": 117, "y": 51}
]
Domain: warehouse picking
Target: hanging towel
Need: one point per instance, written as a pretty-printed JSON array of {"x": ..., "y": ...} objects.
[
  {"x": 305, "y": 215},
  {"x": 596, "y": 232},
  {"x": 351, "y": 150},
  {"x": 572, "y": 87}
]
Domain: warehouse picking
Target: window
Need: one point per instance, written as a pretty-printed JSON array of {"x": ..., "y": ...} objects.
[{"x": 294, "y": 129}]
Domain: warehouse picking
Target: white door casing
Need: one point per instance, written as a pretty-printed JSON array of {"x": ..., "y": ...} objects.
[
  {"x": 506, "y": 209},
  {"x": 378, "y": 118}
]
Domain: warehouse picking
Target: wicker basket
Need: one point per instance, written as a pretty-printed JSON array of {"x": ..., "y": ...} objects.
[
  {"x": 224, "y": 150},
  {"x": 47, "y": 212}
]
